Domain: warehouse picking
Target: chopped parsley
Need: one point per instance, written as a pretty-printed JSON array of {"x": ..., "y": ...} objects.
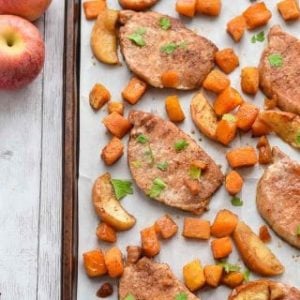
[
  {"x": 259, "y": 37},
  {"x": 129, "y": 297},
  {"x": 165, "y": 23},
  {"x": 150, "y": 155},
  {"x": 142, "y": 139},
  {"x": 180, "y": 145},
  {"x": 298, "y": 230},
  {"x": 169, "y": 48},
  {"x": 138, "y": 37},
  {"x": 195, "y": 172},
  {"x": 157, "y": 187},
  {"x": 122, "y": 188},
  {"x": 298, "y": 138},
  {"x": 246, "y": 275},
  {"x": 229, "y": 117},
  {"x": 236, "y": 201},
  {"x": 181, "y": 296},
  {"x": 163, "y": 166},
  {"x": 228, "y": 267},
  {"x": 275, "y": 60}
]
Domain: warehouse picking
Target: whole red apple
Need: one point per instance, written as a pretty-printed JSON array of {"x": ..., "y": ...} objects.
[
  {"x": 28, "y": 9},
  {"x": 22, "y": 52}
]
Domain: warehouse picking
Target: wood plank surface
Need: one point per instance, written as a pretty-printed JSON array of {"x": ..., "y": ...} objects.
[{"x": 30, "y": 175}]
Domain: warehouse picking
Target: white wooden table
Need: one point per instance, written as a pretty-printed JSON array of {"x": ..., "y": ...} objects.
[{"x": 30, "y": 175}]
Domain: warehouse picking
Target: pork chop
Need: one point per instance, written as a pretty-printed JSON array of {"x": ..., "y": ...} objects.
[
  {"x": 160, "y": 157},
  {"x": 282, "y": 80},
  {"x": 278, "y": 197},
  {"x": 264, "y": 290},
  {"x": 164, "y": 46},
  {"x": 148, "y": 280}
]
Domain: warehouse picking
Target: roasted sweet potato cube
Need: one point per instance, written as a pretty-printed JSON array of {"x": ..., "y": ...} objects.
[
  {"x": 227, "y": 60},
  {"x": 94, "y": 263},
  {"x": 213, "y": 275},
  {"x": 209, "y": 7},
  {"x": 216, "y": 81},
  {"x": 259, "y": 128},
  {"x": 134, "y": 91},
  {"x": 150, "y": 243},
  {"x": 193, "y": 186},
  {"x": 233, "y": 279},
  {"x": 221, "y": 248},
  {"x": 112, "y": 151},
  {"x": 186, "y": 7},
  {"x": 264, "y": 151},
  {"x": 233, "y": 182},
  {"x": 99, "y": 95},
  {"x": 264, "y": 234},
  {"x": 114, "y": 262},
  {"x": 236, "y": 28},
  {"x": 165, "y": 227},
  {"x": 250, "y": 80},
  {"x": 224, "y": 223},
  {"x": 270, "y": 103},
  {"x": 93, "y": 8},
  {"x": 193, "y": 275},
  {"x": 289, "y": 9},
  {"x": 106, "y": 233},
  {"x": 170, "y": 79},
  {"x": 246, "y": 116},
  {"x": 257, "y": 15},
  {"x": 117, "y": 125},
  {"x": 242, "y": 157},
  {"x": 174, "y": 110},
  {"x": 196, "y": 228},
  {"x": 117, "y": 107},
  {"x": 226, "y": 131}
]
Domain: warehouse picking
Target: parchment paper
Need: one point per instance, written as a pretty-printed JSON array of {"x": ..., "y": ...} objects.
[{"x": 176, "y": 251}]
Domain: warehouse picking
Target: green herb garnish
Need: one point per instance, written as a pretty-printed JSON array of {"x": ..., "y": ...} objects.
[
  {"x": 298, "y": 139},
  {"x": 168, "y": 48},
  {"x": 163, "y": 166},
  {"x": 229, "y": 267},
  {"x": 136, "y": 164},
  {"x": 164, "y": 23},
  {"x": 181, "y": 296},
  {"x": 194, "y": 172},
  {"x": 246, "y": 275},
  {"x": 229, "y": 117},
  {"x": 236, "y": 201},
  {"x": 129, "y": 297},
  {"x": 138, "y": 37},
  {"x": 142, "y": 139},
  {"x": 298, "y": 230},
  {"x": 150, "y": 154},
  {"x": 157, "y": 187},
  {"x": 275, "y": 60},
  {"x": 122, "y": 188},
  {"x": 180, "y": 145},
  {"x": 259, "y": 37}
]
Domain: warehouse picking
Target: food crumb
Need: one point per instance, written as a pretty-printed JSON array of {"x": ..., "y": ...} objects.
[{"x": 105, "y": 290}]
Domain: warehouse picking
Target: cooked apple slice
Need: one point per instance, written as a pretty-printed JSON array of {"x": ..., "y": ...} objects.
[
  {"x": 255, "y": 254},
  {"x": 107, "y": 207},
  {"x": 104, "y": 37}
]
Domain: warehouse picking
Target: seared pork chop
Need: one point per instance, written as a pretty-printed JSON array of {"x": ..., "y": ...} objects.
[
  {"x": 282, "y": 82},
  {"x": 264, "y": 290},
  {"x": 159, "y": 50},
  {"x": 160, "y": 157},
  {"x": 148, "y": 280},
  {"x": 278, "y": 197}
]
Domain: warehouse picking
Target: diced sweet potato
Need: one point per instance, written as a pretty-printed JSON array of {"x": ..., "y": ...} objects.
[
  {"x": 165, "y": 227},
  {"x": 193, "y": 186},
  {"x": 114, "y": 262},
  {"x": 264, "y": 234},
  {"x": 227, "y": 101},
  {"x": 196, "y": 229},
  {"x": 209, "y": 7},
  {"x": 106, "y": 233},
  {"x": 186, "y": 7},
  {"x": 289, "y": 9},
  {"x": 242, "y": 157},
  {"x": 216, "y": 81},
  {"x": 213, "y": 275},
  {"x": 134, "y": 91},
  {"x": 112, "y": 151},
  {"x": 246, "y": 116},
  {"x": 259, "y": 128},
  {"x": 226, "y": 131},
  {"x": 150, "y": 243},
  {"x": 193, "y": 275},
  {"x": 202, "y": 165},
  {"x": 234, "y": 182},
  {"x": 233, "y": 279},
  {"x": 94, "y": 263},
  {"x": 117, "y": 107},
  {"x": 257, "y": 15},
  {"x": 170, "y": 79},
  {"x": 93, "y": 8},
  {"x": 227, "y": 60},
  {"x": 270, "y": 103},
  {"x": 174, "y": 110},
  {"x": 221, "y": 248},
  {"x": 99, "y": 95},
  {"x": 224, "y": 223},
  {"x": 117, "y": 125},
  {"x": 134, "y": 253},
  {"x": 236, "y": 28},
  {"x": 250, "y": 80},
  {"x": 264, "y": 151}
]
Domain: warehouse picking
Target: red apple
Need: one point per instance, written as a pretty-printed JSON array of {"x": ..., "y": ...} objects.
[
  {"x": 22, "y": 52},
  {"x": 28, "y": 9}
]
